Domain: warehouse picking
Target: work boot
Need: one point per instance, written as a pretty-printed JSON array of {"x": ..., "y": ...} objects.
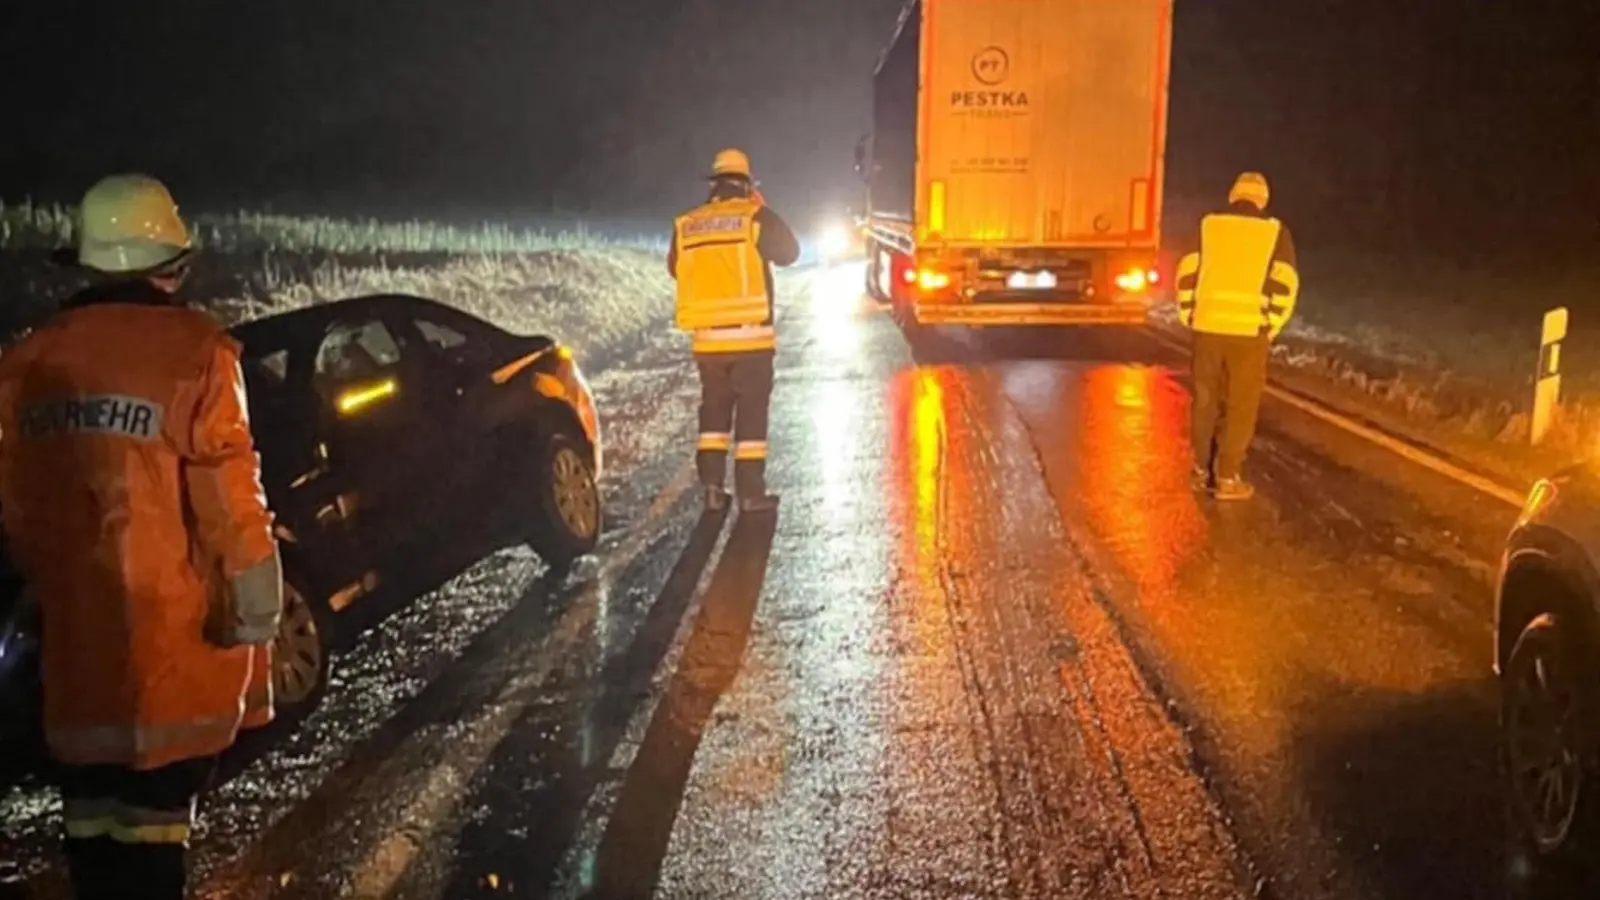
[
  {"x": 758, "y": 503},
  {"x": 716, "y": 498},
  {"x": 1200, "y": 478},
  {"x": 1234, "y": 489}
]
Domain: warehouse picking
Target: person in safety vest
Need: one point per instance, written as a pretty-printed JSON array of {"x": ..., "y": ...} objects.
[
  {"x": 722, "y": 256},
  {"x": 132, "y": 503},
  {"x": 1236, "y": 294}
]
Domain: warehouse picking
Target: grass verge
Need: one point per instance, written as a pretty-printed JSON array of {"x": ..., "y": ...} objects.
[{"x": 592, "y": 293}]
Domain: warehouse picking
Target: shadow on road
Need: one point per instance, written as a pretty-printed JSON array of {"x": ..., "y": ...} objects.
[
  {"x": 628, "y": 863},
  {"x": 539, "y": 782},
  {"x": 1409, "y": 786}
]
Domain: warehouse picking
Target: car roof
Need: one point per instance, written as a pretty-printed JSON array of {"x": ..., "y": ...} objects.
[{"x": 271, "y": 333}]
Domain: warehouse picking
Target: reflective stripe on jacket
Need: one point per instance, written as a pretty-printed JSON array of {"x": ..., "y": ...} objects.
[
  {"x": 134, "y": 508},
  {"x": 735, "y": 340},
  {"x": 1242, "y": 281},
  {"x": 83, "y": 819},
  {"x": 722, "y": 286},
  {"x": 258, "y": 711}
]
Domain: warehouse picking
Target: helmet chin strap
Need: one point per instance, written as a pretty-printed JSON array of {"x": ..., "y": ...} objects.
[{"x": 170, "y": 279}]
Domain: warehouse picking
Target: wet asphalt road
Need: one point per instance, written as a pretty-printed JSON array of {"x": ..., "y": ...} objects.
[{"x": 990, "y": 645}]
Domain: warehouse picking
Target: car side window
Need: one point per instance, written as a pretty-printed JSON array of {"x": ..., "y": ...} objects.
[
  {"x": 271, "y": 369},
  {"x": 440, "y": 336},
  {"x": 265, "y": 376},
  {"x": 355, "y": 354},
  {"x": 357, "y": 351}
]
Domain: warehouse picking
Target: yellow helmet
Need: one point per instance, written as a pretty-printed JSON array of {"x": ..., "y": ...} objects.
[
  {"x": 129, "y": 224},
  {"x": 1250, "y": 187},
  {"x": 731, "y": 163}
]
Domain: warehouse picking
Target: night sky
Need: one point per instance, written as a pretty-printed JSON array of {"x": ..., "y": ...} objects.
[{"x": 1459, "y": 131}]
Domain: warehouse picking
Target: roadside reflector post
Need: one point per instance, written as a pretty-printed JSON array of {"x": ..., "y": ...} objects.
[{"x": 1547, "y": 384}]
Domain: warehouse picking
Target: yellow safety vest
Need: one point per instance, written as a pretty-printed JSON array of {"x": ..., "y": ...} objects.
[
  {"x": 1234, "y": 265},
  {"x": 722, "y": 286}
]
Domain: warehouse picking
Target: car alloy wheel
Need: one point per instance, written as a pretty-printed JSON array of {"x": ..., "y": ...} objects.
[
  {"x": 577, "y": 500},
  {"x": 298, "y": 656},
  {"x": 1543, "y": 734}
]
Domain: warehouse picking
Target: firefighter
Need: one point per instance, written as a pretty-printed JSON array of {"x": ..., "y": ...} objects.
[
  {"x": 722, "y": 256},
  {"x": 135, "y": 512},
  {"x": 1236, "y": 294}
]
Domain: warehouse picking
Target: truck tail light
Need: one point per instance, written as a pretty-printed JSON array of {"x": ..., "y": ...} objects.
[
  {"x": 932, "y": 279},
  {"x": 1137, "y": 279}
]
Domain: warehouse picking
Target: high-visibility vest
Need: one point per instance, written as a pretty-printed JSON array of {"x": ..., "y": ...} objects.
[
  {"x": 1235, "y": 265},
  {"x": 132, "y": 499},
  {"x": 722, "y": 286}
]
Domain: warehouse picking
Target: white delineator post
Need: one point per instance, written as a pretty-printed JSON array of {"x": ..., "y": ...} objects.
[{"x": 1547, "y": 384}]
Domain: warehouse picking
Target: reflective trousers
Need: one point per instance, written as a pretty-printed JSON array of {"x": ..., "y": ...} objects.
[
  {"x": 1230, "y": 374},
  {"x": 735, "y": 393},
  {"x": 127, "y": 831}
]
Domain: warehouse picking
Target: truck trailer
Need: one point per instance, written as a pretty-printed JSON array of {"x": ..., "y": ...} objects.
[{"x": 1014, "y": 168}]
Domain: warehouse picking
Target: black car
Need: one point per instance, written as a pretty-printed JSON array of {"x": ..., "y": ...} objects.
[
  {"x": 400, "y": 441},
  {"x": 1547, "y": 656}
]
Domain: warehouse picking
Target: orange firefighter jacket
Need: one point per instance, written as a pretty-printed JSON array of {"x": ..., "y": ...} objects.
[{"x": 132, "y": 501}]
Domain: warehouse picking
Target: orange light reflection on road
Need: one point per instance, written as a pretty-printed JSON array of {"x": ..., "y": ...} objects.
[
  {"x": 1135, "y": 469},
  {"x": 928, "y": 443},
  {"x": 920, "y": 488}
]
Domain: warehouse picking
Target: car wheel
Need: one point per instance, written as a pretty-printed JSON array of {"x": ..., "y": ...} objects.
[
  {"x": 569, "y": 512},
  {"x": 300, "y": 654},
  {"x": 1548, "y": 751}
]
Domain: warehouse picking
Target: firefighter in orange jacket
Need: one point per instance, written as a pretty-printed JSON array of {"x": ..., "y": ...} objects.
[
  {"x": 722, "y": 256},
  {"x": 133, "y": 505}
]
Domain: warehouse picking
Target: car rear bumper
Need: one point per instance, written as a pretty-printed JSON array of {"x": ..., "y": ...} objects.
[{"x": 1032, "y": 314}]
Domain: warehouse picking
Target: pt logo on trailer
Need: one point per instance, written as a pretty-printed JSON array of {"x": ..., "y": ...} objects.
[{"x": 990, "y": 66}]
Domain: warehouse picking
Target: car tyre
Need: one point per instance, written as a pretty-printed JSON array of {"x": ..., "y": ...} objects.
[
  {"x": 301, "y": 653},
  {"x": 1549, "y": 754},
  {"x": 568, "y": 502}
]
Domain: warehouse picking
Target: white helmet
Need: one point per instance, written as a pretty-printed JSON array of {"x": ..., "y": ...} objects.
[{"x": 129, "y": 224}]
